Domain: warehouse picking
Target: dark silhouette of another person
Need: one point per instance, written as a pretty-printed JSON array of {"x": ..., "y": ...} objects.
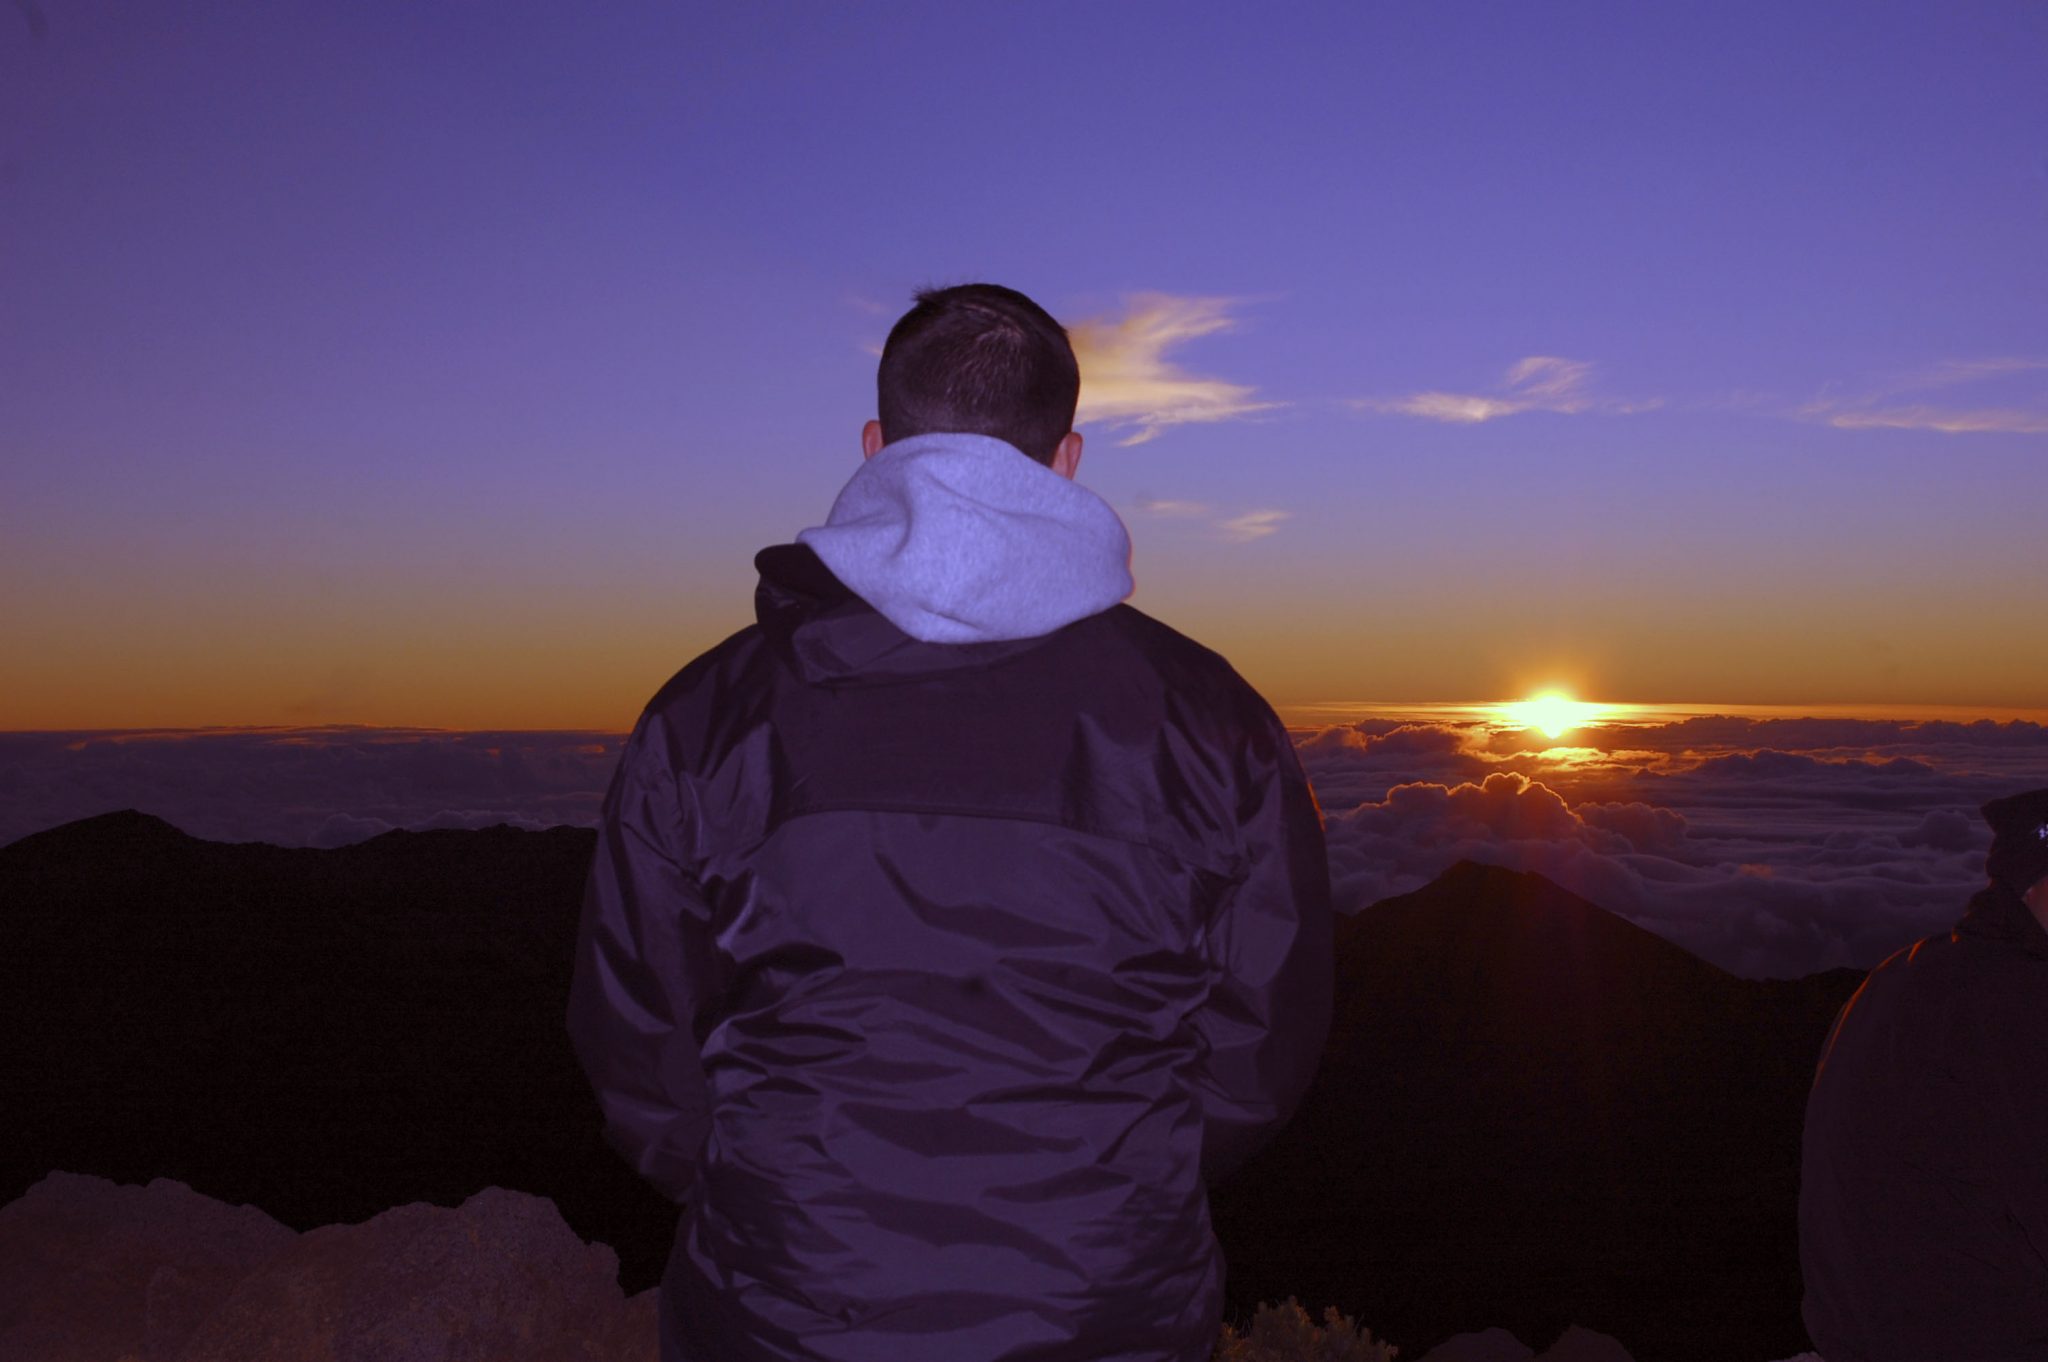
[
  {"x": 1923, "y": 1199},
  {"x": 953, "y": 923}
]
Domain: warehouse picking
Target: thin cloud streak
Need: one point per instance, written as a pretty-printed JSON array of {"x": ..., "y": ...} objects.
[
  {"x": 1537, "y": 383},
  {"x": 1548, "y": 376},
  {"x": 1954, "y": 371},
  {"x": 1871, "y": 412},
  {"x": 1127, "y": 380},
  {"x": 1177, "y": 509},
  {"x": 1238, "y": 529},
  {"x": 1460, "y": 408},
  {"x": 1252, "y": 525},
  {"x": 1994, "y": 420}
]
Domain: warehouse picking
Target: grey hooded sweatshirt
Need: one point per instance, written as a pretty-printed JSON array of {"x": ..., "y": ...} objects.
[{"x": 959, "y": 538}]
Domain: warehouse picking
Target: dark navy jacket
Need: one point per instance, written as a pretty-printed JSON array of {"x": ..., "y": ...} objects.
[
  {"x": 934, "y": 980},
  {"x": 1923, "y": 1199}
]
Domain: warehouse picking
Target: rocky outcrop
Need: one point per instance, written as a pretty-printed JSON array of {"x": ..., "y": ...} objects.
[
  {"x": 94, "y": 1271},
  {"x": 91, "y": 1271}
]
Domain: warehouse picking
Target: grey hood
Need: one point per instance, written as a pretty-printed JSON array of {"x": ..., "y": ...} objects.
[{"x": 959, "y": 538}]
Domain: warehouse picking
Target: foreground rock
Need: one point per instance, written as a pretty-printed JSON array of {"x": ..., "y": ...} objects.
[{"x": 92, "y": 1271}]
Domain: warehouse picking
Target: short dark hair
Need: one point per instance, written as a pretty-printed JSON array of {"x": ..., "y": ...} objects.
[{"x": 980, "y": 358}]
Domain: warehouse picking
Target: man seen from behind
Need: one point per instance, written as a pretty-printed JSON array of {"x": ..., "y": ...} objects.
[{"x": 954, "y": 923}]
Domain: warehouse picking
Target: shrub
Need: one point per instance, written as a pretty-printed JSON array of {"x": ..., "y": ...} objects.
[{"x": 1284, "y": 1333}]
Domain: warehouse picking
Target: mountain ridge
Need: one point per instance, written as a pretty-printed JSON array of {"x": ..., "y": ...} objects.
[{"x": 1575, "y": 1121}]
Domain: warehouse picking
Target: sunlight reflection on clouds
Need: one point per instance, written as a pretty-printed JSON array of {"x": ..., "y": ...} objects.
[{"x": 1772, "y": 843}]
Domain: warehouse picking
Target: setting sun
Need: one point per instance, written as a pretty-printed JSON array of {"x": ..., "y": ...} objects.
[{"x": 1554, "y": 712}]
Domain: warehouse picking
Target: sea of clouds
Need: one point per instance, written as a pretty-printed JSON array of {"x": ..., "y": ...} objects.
[{"x": 1772, "y": 847}]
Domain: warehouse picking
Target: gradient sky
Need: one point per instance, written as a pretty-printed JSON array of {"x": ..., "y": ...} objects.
[{"x": 445, "y": 365}]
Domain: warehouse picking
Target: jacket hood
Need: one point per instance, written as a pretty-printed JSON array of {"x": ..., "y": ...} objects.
[{"x": 960, "y": 538}]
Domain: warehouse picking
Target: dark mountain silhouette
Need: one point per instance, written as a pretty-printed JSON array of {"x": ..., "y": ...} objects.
[
  {"x": 1531, "y": 1113},
  {"x": 324, "y": 1034}
]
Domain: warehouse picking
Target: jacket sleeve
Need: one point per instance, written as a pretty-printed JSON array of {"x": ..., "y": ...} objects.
[
  {"x": 1269, "y": 943},
  {"x": 644, "y": 965}
]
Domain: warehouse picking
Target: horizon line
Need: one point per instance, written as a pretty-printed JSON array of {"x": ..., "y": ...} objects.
[{"x": 1618, "y": 710}]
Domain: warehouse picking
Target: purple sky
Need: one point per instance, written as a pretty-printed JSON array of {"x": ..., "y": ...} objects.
[{"x": 445, "y": 365}]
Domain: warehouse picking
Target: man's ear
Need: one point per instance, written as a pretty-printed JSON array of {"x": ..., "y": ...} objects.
[
  {"x": 1066, "y": 455},
  {"x": 870, "y": 439}
]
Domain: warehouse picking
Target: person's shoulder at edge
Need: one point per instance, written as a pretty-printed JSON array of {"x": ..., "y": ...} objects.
[
  {"x": 1937, "y": 974},
  {"x": 687, "y": 696},
  {"x": 1941, "y": 953},
  {"x": 1927, "y": 963}
]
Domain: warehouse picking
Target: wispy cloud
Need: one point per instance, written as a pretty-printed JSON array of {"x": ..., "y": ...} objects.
[
  {"x": 866, "y": 304},
  {"x": 1954, "y": 371},
  {"x": 1537, "y": 383},
  {"x": 1551, "y": 378},
  {"x": 1877, "y": 410},
  {"x": 869, "y": 345},
  {"x": 1160, "y": 506},
  {"x": 1242, "y": 529},
  {"x": 1127, "y": 380},
  {"x": 1946, "y": 420},
  {"x": 1461, "y": 408}
]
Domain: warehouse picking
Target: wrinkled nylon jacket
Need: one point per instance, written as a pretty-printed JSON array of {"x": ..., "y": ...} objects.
[
  {"x": 1923, "y": 1198},
  {"x": 934, "y": 980}
]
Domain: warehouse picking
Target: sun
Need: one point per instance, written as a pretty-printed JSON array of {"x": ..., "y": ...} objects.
[{"x": 1554, "y": 712}]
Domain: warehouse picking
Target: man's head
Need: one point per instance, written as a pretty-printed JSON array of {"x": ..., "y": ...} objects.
[
  {"x": 2019, "y": 847},
  {"x": 983, "y": 359}
]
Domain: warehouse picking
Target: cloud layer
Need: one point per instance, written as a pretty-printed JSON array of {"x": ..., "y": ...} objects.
[{"x": 1772, "y": 847}]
